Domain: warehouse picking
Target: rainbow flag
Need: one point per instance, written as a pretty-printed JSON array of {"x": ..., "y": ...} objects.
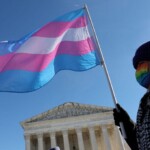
[{"x": 63, "y": 44}]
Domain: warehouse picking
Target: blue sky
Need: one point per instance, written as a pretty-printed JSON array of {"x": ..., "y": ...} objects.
[{"x": 121, "y": 27}]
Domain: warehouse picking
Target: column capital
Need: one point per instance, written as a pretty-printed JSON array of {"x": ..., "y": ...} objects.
[
  {"x": 104, "y": 127},
  {"x": 27, "y": 136},
  {"x": 78, "y": 130},
  {"x": 52, "y": 133},
  {"x": 39, "y": 135},
  {"x": 91, "y": 128},
  {"x": 107, "y": 128},
  {"x": 65, "y": 132}
]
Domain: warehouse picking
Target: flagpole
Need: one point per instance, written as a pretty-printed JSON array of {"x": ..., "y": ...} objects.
[{"x": 105, "y": 69}]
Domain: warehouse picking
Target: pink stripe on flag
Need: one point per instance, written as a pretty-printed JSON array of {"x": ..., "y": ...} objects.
[
  {"x": 55, "y": 29},
  {"x": 38, "y": 62},
  {"x": 75, "y": 47}
]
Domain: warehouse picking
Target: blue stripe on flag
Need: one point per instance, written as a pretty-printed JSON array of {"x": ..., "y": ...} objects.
[
  {"x": 30, "y": 81},
  {"x": 70, "y": 16}
]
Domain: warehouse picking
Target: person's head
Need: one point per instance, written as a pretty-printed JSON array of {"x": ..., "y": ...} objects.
[
  {"x": 55, "y": 148},
  {"x": 141, "y": 62}
]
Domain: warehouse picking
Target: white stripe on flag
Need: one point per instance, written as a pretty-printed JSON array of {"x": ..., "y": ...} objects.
[{"x": 44, "y": 45}]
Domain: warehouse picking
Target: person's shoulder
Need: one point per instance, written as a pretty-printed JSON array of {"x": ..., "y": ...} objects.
[{"x": 145, "y": 99}]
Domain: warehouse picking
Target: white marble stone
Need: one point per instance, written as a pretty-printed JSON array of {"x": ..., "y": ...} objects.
[{"x": 67, "y": 125}]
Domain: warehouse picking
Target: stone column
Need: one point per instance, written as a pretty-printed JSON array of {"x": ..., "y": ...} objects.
[
  {"x": 53, "y": 139},
  {"x": 27, "y": 142},
  {"x": 119, "y": 138},
  {"x": 40, "y": 141},
  {"x": 66, "y": 140},
  {"x": 93, "y": 138},
  {"x": 106, "y": 138},
  {"x": 80, "y": 138}
]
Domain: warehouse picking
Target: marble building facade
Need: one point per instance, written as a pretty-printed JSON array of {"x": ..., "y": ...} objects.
[{"x": 73, "y": 126}]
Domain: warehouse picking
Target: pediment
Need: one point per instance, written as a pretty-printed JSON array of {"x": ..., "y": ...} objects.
[{"x": 66, "y": 110}]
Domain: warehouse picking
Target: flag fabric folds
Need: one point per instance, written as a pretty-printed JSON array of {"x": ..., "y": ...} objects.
[{"x": 63, "y": 44}]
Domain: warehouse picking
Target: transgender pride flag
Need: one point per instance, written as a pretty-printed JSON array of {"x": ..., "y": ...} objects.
[{"x": 32, "y": 61}]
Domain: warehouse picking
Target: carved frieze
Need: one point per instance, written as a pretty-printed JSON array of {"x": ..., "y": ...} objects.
[{"x": 69, "y": 109}]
